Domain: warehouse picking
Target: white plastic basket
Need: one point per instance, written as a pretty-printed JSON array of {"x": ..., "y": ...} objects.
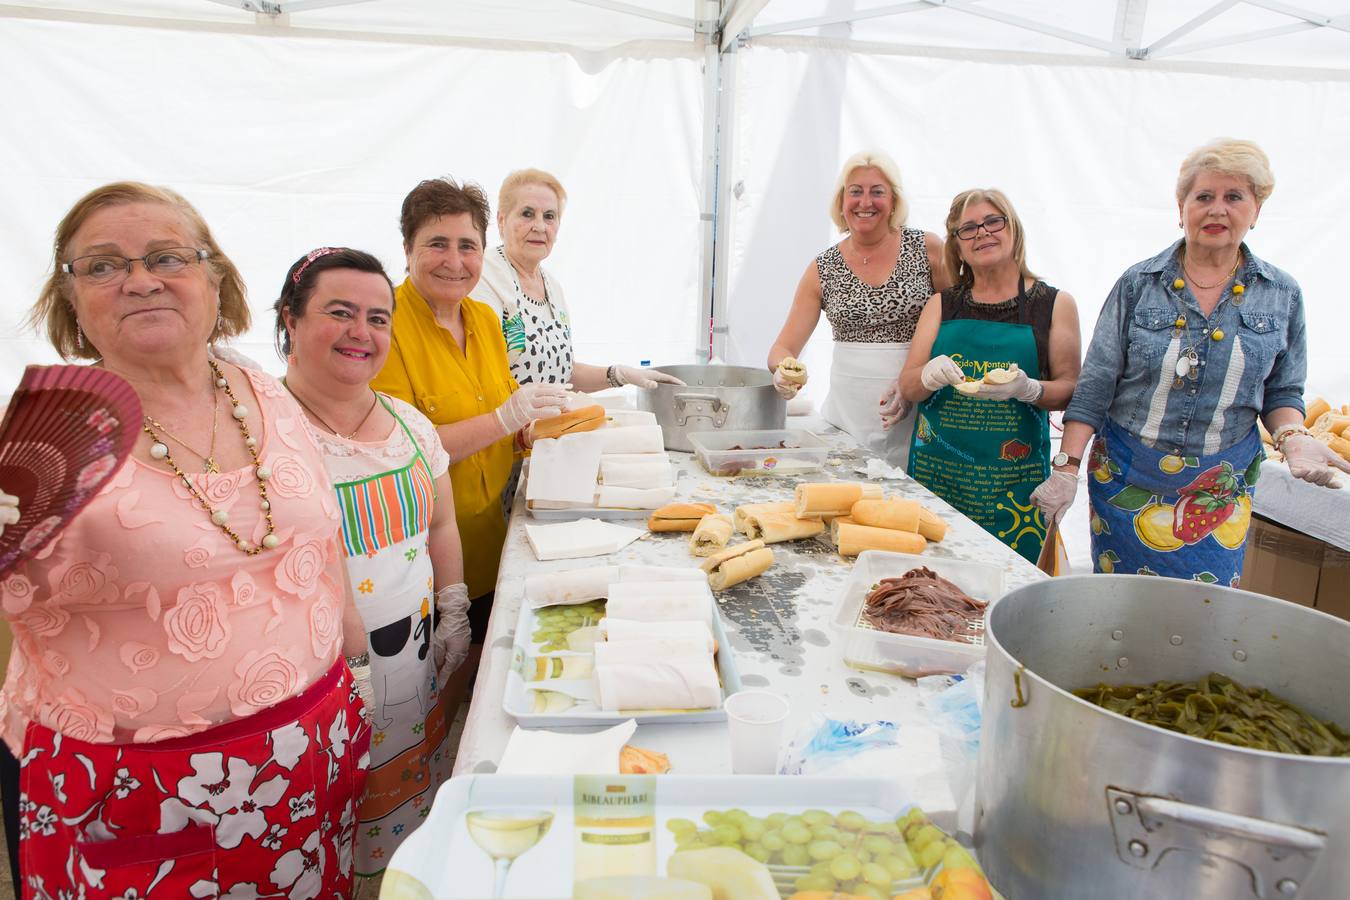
[{"x": 901, "y": 654}]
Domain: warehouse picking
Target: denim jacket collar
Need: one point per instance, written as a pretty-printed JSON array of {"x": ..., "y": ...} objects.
[{"x": 1167, "y": 263}]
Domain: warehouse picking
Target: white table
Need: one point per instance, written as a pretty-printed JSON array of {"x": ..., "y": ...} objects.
[
  {"x": 778, "y": 626},
  {"x": 1312, "y": 509}
]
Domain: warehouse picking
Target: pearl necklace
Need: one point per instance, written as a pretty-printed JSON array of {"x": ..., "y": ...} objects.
[{"x": 219, "y": 517}]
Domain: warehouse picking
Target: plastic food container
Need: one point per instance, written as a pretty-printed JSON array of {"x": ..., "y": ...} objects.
[
  {"x": 773, "y": 452},
  {"x": 901, "y": 654}
]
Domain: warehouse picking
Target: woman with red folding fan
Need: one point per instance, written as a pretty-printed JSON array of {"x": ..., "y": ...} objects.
[{"x": 177, "y": 692}]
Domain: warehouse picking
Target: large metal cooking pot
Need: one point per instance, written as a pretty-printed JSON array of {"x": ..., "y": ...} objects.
[
  {"x": 714, "y": 398},
  {"x": 1076, "y": 802}
]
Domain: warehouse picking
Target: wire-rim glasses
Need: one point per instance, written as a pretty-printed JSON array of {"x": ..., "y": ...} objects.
[{"x": 103, "y": 268}]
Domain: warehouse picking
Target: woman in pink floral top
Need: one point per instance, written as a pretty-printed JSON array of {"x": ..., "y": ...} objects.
[{"x": 177, "y": 693}]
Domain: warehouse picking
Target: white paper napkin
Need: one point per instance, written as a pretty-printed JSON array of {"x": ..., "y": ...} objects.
[
  {"x": 633, "y": 498},
  {"x": 540, "y": 752},
  {"x": 575, "y": 586},
  {"x": 584, "y": 537},
  {"x": 648, "y": 470},
  {"x": 687, "y": 682},
  {"x": 635, "y": 572},
  {"x": 644, "y": 604},
  {"x": 632, "y": 439},
  {"x": 625, "y": 418},
  {"x": 619, "y": 631},
  {"x": 563, "y": 470}
]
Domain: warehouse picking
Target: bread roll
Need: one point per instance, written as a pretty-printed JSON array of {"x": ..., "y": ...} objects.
[
  {"x": 901, "y": 515},
  {"x": 739, "y": 516},
  {"x": 792, "y": 370},
  {"x": 741, "y": 568},
  {"x": 711, "y": 535},
  {"x": 931, "y": 525},
  {"x": 774, "y": 526},
  {"x": 721, "y": 556},
  {"x": 968, "y": 387},
  {"x": 854, "y": 539},
  {"x": 835, "y": 523},
  {"x": 679, "y": 516},
  {"x": 574, "y": 421},
  {"x": 832, "y": 498},
  {"x": 1315, "y": 409},
  {"x": 1341, "y": 446},
  {"x": 1001, "y": 376}
]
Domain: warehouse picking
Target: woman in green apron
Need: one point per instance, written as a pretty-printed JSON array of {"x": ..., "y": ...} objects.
[
  {"x": 391, "y": 477},
  {"x": 986, "y": 450}
]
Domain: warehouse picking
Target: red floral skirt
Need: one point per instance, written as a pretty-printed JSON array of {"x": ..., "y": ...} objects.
[{"x": 260, "y": 807}]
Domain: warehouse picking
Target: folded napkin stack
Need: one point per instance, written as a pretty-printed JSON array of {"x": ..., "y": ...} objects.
[{"x": 618, "y": 466}]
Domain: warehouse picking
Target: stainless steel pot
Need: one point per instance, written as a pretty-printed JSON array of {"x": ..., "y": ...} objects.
[
  {"x": 714, "y": 398},
  {"x": 1076, "y": 802}
]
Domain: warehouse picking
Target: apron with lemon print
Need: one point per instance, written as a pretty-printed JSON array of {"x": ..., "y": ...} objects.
[
  {"x": 985, "y": 457},
  {"x": 1156, "y": 513}
]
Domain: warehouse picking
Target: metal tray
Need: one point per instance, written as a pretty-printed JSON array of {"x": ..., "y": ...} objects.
[
  {"x": 518, "y": 700},
  {"x": 607, "y": 513}
]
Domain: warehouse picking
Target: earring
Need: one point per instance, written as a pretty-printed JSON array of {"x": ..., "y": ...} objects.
[
  {"x": 79, "y": 337},
  {"x": 220, "y": 320}
]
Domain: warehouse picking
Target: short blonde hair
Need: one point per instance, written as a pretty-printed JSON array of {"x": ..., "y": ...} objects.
[
  {"x": 1232, "y": 157},
  {"x": 506, "y": 197},
  {"x": 870, "y": 159},
  {"x": 53, "y": 311},
  {"x": 951, "y": 250}
]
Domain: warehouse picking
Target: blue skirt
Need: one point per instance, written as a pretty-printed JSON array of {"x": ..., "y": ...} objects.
[{"x": 1155, "y": 513}]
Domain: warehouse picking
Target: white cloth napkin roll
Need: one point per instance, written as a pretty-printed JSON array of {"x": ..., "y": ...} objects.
[
  {"x": 626, "y": 418},
  {"x": 633, "y": 498},
  {"x": 576, "y": 586},
  {"x": 688, "y": 682},
  {"x": 635, "y": 572},
  {"x": 632, "y": 439},
  {"x": 648, "y": 650},
  {"x": 637, "y": 473},
  {"x": 648, "y": 605},
  {"x": 619, "y": 631}
]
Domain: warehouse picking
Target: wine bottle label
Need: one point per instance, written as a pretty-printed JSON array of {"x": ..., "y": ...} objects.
[{"x": 615, "y": 824}]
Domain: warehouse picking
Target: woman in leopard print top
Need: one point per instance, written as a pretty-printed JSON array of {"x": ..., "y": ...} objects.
[
  {"x": 530, "y": 301},
  {"x": 872, "y": 286}
]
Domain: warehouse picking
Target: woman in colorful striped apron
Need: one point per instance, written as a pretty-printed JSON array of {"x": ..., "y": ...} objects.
[
  {"x": 398, "y": 529},
  {"x": 1190, "y": 348},
  {"x": 985, "y": 450}
]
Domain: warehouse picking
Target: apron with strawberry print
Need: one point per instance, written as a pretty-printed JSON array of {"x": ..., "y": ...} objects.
[
  {"x": 263, "y": 806},
  {"x": 1156, "y": 513},
  {"x": 985, "y": 457}
]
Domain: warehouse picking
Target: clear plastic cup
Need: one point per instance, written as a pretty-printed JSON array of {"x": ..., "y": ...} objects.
[{"x": 755, "y": 721}]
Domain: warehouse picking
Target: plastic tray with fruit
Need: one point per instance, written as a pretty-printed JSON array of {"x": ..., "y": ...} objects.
[
  {"x": 550, "y": 680},
  {"x": 711, "y": 837}
]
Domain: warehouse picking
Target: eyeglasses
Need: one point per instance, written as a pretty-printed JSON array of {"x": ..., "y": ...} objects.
[
  {"x": 990, "y": 224},
  {"x": 102, "y": 269}
]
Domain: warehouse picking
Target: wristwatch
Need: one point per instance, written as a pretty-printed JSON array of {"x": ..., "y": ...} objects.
[{"x": 1063, "y": 459}]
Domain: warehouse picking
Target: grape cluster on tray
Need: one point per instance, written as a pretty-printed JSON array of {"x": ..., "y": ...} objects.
[{"x": 555, "y": 624}]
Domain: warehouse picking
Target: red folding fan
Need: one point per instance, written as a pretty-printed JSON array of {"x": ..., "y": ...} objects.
[{"x": 67, "y": 430}]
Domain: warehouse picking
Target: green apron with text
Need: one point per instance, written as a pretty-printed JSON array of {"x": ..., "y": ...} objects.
[{"x": 985, "y": 457}]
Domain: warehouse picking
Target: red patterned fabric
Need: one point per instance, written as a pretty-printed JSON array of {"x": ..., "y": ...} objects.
[{"x": 261, "y": 807}]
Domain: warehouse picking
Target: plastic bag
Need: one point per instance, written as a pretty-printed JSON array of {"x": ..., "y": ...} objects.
[{"x": 827, "y": 745}]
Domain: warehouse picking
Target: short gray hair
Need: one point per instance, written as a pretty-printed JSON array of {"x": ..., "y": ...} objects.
[{"x": 1232, "y": 157}]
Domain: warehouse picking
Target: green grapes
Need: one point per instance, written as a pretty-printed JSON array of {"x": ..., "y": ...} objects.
[
  {"x": 824, "y": 850},
  {"x": 817, "y": 817},
  {"x": 852, "y": 821},
  {"x": 875, "y": 844},
  {"x": 775, "y": 820},
  {"x": 932, "y": 853},
  {"x": 845, "y": 867},
  {"x": 757, "y": 851},
  {"x": 726, "y": 835},
  {"x": 814, "y": 883},
  {"x": 795, "y": 855},
  {"x": 553, "y": 624},
  {"x": 753, "y": 828},
  {"x": 677, "y": 826},
  {"x": 872, "y": 873},
  {"x": 772, "y": 841},
  {"x": 796, "y": 833}
]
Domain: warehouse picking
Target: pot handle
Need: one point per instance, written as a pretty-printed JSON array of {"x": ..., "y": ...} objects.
[
  {"x": 718, "y": 407},
  {"x": 1278, "y": 857}
]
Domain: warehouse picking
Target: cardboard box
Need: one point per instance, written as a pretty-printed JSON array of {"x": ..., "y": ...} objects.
[
  {"x": 1333, "y": 587},
  {"x": 1282, "y": 563}
]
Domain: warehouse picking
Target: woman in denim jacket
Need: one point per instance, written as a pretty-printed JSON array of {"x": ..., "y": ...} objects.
[{"x": 1191, "y": 346}]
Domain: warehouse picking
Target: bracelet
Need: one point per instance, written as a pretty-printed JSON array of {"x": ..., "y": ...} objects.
[
  {"x": 611, "y": 375},
  {"x": 1282, "y": 434},
  {"x": 359, "y": 660}
]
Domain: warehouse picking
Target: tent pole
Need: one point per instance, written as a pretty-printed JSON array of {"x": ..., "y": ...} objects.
[{"x": 704, "y": 342}]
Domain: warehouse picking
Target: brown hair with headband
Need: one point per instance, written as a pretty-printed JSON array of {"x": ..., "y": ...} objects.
[{"x": 303, "y": 277}]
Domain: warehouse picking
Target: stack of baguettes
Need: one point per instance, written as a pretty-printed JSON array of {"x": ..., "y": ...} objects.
[
  {"x": 1329, "y": 425},
  {"x": 862, "y": 519}
]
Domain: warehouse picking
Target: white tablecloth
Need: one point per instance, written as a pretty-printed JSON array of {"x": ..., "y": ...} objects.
[
  {"x": 779, "y": 626},
  {"x": 1314, "y": 510}
]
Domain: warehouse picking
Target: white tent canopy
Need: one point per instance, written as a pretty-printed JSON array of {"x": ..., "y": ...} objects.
[{"x": 698, "y": 140}]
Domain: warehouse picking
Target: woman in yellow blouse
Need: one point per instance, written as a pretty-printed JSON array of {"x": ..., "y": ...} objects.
[{"x": 447, "y": 358}]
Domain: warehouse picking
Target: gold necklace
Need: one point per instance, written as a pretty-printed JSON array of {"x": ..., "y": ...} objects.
[
  {"x": 219, "y": 517},
  {"x": 210, "y": 454},
  {"x": 1206, "y": 287},
  {"x": 374, "y": 400}
]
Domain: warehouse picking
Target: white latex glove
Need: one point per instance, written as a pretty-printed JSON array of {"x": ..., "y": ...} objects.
[
  {"x": 9, "y": 510},
  {"x": 939, "y": 372},
  {"x": 1312, "y": 460},
  {"x": 788, "y": 383},
  {"x": 530, "y": 402},
  {"x": 894, "y": 407},
  {"x": 786, "y": 389},
  {"x": 450, "y": 640},
  {"x": 643, "y": 378},
  {"x": 365, "y": 688},
  {"x": 1055, "y": 495},
  {"x": 1022, "y": 387}
]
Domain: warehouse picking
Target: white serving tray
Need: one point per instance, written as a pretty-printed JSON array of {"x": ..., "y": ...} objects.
[
  {"x": 518, "y": 700},
  {"x": 608, "y": 513},
  {"x": 901, "y": 654},
  {"x": 444, "y": 862}
]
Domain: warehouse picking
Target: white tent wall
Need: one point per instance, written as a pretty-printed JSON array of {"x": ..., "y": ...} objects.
[
  {"x": 1087, "y": 151},
  {"x": 285, "y": 144}
]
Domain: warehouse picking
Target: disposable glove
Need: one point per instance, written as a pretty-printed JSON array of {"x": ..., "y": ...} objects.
[
  {"x": 939, "y": 372},
  {"x": 643, "y": 378},
  {"x": 1055, "y": 495},
  {"x": 365, "y": 688},
  {"x": 894, "y": 407},
  {"x": 788, "y": 377},
  {"x": 1312, "y": 460},
  {"x": 9, "y": 510},
  {"x": 450, "y": 640},
  {"x": 530, "y": 402},
  {"x": 1022, "y": 387}
]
